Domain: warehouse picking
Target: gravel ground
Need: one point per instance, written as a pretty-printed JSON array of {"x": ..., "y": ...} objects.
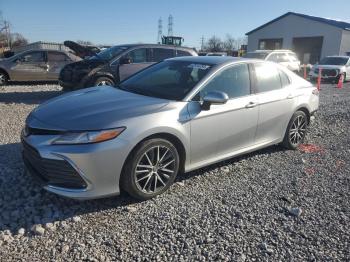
[{"x": 269, "y": 205}]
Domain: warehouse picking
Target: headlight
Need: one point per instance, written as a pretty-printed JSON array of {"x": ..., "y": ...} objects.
[{"x": 88, "y": 137}]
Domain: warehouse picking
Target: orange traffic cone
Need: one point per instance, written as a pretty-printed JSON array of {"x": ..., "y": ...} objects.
[
  {"x": 341, "y": 81},
  {"x": 319, "y": 79}
]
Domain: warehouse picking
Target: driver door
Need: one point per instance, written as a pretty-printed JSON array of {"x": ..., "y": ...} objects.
[
  {"x": 31, "y": 66},
  {"x": 224, "y": 129}
]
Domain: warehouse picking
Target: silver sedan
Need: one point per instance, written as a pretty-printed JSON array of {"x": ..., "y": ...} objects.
[{"x": 175, "y": 116}]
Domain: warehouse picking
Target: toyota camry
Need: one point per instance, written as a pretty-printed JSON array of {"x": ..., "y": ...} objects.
[{"x": 175, "y": 116}]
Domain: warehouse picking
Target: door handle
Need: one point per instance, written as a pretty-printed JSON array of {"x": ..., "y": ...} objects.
[
  {"x": 251, "y": 105},
  {"x": 290, "y": 96}
]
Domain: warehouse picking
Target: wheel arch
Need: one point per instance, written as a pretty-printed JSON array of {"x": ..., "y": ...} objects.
[
  {"x": 167, "y": 136},
  {"x": 304, "y": 109}
]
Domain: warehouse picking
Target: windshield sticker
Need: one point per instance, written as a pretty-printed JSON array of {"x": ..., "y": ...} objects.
[{"x": 198, "y": 66}]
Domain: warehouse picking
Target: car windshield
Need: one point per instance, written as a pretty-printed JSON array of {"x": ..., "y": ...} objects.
[
  {"x": 334, "y": 61},
  {"x": 257, "y": 55},
  {"x": 109, "y": 53},
  {"x": 171, "y": 80}
]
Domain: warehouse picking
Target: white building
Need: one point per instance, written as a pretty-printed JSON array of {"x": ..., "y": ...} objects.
[{"x": 310, "y": 37}]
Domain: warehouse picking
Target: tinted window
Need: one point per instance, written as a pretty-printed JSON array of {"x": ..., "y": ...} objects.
[
  {"x": 182, "y": 53},
  {"x": 56, "y": 57},
  {"x": 334, "y": 60},
  {"x": 160, "y": 54},
  {"x": 284, "y": 78},
  {"x": 267, "y": 77},
  {"x": 138, "y": 55},
  {"x": 33, "y": 57},
  {"x": 234, "y": 81},
  {"x": 169, "y": 79},
  {"x": 278, "y": 58},
  {"x": 110, "y": 53},
  {"x": 257, "y": 55}
]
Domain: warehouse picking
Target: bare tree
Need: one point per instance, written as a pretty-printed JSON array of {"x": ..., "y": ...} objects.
[
  {"x": 18, "y": 40},
  {"x": 229, "y": 43},
  {"x": 214, "y": 44}
]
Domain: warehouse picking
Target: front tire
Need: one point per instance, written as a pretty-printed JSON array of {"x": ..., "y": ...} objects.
[
  {"x": 3, "y": 79},
  {"x": 150, "y": 169},
  {"x": 296, "y": 130}
]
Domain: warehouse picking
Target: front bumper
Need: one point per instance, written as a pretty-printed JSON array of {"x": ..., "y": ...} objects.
[
  {"x": 98, "y": 165},
  {"x": 313, "y": 76}
]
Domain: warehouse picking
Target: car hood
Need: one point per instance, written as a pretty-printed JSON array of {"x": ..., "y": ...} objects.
[
  {"x": 92, "y": 109},
  {"x": 328, "y": 66},
  {"x": 81, "y": 51}
]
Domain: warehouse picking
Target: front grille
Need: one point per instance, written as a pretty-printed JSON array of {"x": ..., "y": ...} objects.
[
  {"x": 328, "y": 72},
  {"x": 66, "y": 75},
  {"x": 51, "y": 172},
  {"x": 37, "y": 131}
]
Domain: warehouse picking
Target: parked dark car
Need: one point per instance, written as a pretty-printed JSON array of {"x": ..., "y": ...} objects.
[
  {"x": 112, "y": 65},
  {"x": 34, "y": 65}
]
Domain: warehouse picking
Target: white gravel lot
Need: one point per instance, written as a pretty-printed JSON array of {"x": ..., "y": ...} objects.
[{"x": 270, "y": 205}]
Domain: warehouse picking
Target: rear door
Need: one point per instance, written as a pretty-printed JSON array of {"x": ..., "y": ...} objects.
[
  {"x": 56, "y": 61},
  {"x": 276, "y": 102},
  {"x": 31, "y": 66},
  {"x": 140, "y": 59}
]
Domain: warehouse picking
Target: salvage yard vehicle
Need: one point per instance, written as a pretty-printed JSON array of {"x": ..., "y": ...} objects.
[
  {"x": 114, "y": 64},
  {"x": 333, "y": 67},
  {"x": 34, "y": 65},
  {"x": 283, "y": 57},
  {"x": 175, "y": 116}
]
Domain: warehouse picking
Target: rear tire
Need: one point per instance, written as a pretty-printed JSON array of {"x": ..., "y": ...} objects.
[
  {"x": 296, "y": 130},
  {"x": 150, "y": 169},
  {"x": 3, "y": 78},
  {"x": 104, "y": 81}
]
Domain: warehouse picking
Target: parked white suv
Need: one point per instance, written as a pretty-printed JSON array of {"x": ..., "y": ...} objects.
[
  {"x": 286, "y": 58},
  {"x": 332, "y": 68}
]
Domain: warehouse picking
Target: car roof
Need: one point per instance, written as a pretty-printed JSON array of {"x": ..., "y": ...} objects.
[
  {"x": 270, "y": 51},
  {"x": 157, "y": 45},
  {"x": 340, "y": 56},
  {"x": 213, "y": 60}
]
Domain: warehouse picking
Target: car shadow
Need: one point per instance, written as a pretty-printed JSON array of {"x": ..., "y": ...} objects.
[
  {"x": 23, "y": 203},
  {"x": 35, "y": 97}
]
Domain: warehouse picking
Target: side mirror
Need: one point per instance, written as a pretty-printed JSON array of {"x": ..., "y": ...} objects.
[
  {"x": 214, "y": 98},
  {"x": 125, "y": 61}
]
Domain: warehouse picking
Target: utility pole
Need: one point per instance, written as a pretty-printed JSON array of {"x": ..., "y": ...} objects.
[
  {"x": 160, "y": 30},
  {"x": 202, "y": 43}
]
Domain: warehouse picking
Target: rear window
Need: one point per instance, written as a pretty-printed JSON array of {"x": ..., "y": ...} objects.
[
  {"x": 182, "y": 53},
  {"x": 257, "y": 55}
]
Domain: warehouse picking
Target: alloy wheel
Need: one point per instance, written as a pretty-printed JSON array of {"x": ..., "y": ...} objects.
[
  {"x": 2, "y": 79},
  {"x": 154, "y": 169},
  {"x": 297, "y": 130}
]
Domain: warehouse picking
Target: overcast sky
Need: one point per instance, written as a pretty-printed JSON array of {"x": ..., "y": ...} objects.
[{"x": 130, "y": 21}]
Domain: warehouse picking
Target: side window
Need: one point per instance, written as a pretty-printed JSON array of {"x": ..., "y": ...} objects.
[
  {"x": 273, "y": 58},
  {"x": 160, "y": 54},
  {"x": 33, "y": 57},
  {"x": 138, "y": 55},
  {"x": 278, "y": 57},
  {"x": 293, "y": 57},
  {"x": 234, "y": 81},
  {"x": 267, "y": 77},
  {"x": 57, "y": 57},
  {"x": 182, "y": 53},
  {"x": 284, "y": 78}
]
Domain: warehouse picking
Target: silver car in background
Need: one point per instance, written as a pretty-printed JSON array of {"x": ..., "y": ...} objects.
[
  {"x": 35, "y": 65},
  {"x": 175, "y": 116},
  {"x": 284, "y": 57}
]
